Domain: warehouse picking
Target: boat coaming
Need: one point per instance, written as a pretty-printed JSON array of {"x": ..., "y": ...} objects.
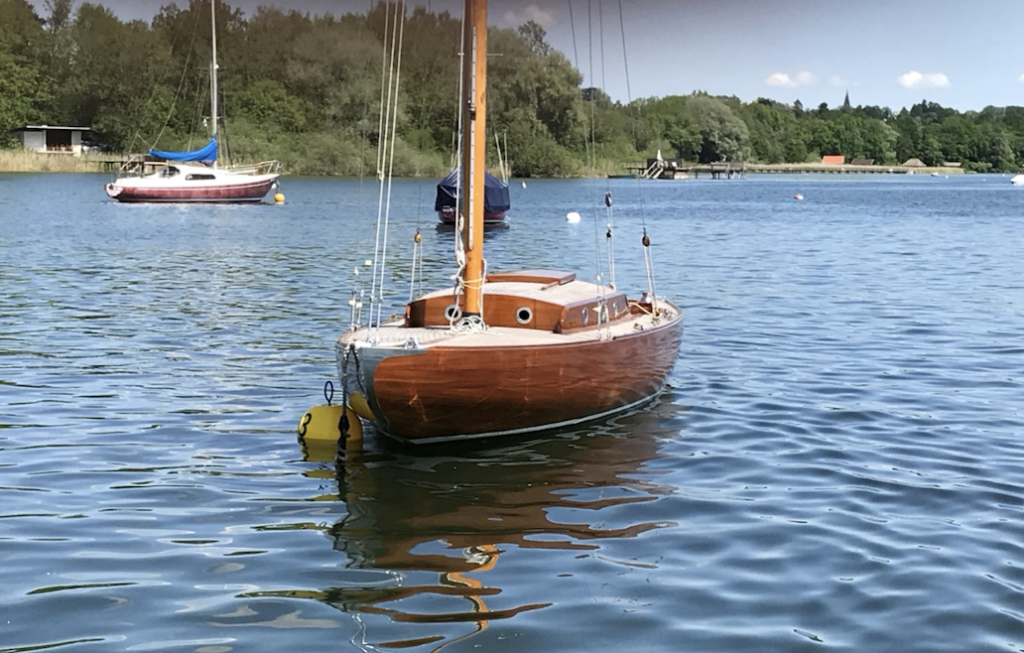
[
  {"x": 192, "y": 184},
  {"x": 432, "y": 385}
]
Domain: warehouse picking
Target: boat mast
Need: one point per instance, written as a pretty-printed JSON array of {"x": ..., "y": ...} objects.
[
  {"x": 474, "y": 124},
  {"x": 213, "y": 71}
]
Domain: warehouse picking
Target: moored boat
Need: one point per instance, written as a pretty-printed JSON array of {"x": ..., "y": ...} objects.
[
  {"x": 188, "y": 182},
  {"x": 504, "y": 353},
  {"x": 195, "y": 176},
  {"x": 496, "y": 198}
]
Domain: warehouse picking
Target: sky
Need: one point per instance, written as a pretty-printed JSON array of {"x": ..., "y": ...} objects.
[{"x": 891, "y": 53}]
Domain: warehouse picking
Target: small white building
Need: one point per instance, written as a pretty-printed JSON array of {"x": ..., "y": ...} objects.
[{"x": 48, "y": 139}]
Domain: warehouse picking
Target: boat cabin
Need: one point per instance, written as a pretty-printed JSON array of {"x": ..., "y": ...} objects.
[{"x": 532, "y": 299}]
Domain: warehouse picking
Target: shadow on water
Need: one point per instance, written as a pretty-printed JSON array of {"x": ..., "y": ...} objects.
[
  {"x": 489, "y": 227},
  {"x": 434, "y": 525}
]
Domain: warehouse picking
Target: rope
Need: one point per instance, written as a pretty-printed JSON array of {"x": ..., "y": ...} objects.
[{"x": 458, "y": 287}]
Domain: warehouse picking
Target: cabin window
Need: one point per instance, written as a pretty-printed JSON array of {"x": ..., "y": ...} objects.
[
  {"x": 524, "y": 315},
  {"x": 199, "y": 177},
  {"x": 584, "y": 316},
  {"x": 168, "y": 171}
]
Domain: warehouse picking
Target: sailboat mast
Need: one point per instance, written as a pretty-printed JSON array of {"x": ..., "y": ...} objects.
[
  {"x": 213, "y": 71},
  {"x": 474, "y": 121}
]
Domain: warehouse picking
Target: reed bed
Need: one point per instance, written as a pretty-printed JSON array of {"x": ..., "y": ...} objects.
[{"x": 29, "y": 161}]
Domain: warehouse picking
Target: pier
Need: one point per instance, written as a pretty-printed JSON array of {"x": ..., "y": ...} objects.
[
  {"x": 114, "y": 162},
  {"x": 675, "y": 169}
]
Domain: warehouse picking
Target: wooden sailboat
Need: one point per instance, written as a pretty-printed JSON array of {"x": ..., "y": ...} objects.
[
  {"x": 185, "y": 176},
  {"x": 512, "y": 352}
]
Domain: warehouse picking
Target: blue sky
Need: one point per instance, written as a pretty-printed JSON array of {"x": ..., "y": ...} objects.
[{"x": 889, "y": 53}]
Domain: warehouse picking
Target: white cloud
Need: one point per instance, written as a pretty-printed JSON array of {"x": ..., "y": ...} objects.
[
  {"x": 516, "y": 18},
  {"x": 1021, "y": 78},
  {"x": 836, "y": 80},
  {"x": 914, "y": 79},
  {"x": 803, "y": 78}
]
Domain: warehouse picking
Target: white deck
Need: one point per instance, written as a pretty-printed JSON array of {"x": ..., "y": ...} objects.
[
  {"x": 569, "y": 293},
  {"x": 394, "y": 334}
]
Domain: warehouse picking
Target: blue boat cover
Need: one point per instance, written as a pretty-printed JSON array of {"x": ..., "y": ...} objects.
[
  {"x": 207, "y": 153},
  {"x": 495, "y": 193}
]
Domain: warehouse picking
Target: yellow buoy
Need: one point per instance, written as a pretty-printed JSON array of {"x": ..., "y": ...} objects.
[
  {"x": 279, "y": 198},
  {"x": 321, "y": 423}
]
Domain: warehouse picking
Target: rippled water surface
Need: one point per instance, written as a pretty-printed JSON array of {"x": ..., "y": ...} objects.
[{"x": 838, "y": 462}]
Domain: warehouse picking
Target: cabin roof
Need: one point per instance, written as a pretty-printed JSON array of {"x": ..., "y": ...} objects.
[{"x": 50, "y": 128}]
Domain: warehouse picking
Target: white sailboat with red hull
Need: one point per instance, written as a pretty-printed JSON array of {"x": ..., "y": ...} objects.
[
  {"x": 195, "y": 176},
  {"x": 504, "y": 353}
]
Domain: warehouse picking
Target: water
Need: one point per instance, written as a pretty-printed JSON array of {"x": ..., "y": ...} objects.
[{"x": 837, "y": 462}]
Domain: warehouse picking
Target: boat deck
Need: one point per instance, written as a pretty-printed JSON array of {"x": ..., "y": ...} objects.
[{"x": 394, "y": 334}]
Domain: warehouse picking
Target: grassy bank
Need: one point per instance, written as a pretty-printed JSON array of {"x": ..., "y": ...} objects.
[{"x": 29, "y": 161}]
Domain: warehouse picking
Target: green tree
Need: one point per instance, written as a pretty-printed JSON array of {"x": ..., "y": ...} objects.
[
  {"x": 724, "y": 137},
  {"x": 23, "y": 87}
]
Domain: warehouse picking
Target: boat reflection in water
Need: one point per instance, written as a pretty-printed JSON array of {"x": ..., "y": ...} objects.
[{"x": 426, "y": 530}]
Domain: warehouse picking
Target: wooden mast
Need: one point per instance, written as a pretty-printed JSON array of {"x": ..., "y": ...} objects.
[
  {"x": 474, "y": 125},
  {"x": 213, "y": 73}
]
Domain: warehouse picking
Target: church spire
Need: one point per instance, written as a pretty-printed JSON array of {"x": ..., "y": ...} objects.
[{"x": 846, "y": 102}]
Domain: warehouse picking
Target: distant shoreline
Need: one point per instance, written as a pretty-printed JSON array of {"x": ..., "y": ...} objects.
[{"x": 29, "y": 161}]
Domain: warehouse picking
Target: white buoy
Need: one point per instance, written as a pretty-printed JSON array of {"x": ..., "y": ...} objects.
[
  {"x": 524, "y": 184},
  {"x": 798, "y": 196},
  {"x": 572, "y": 216}
]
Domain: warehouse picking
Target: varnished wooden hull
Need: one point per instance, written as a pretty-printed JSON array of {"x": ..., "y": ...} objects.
[{"x": 455, "y": 392}]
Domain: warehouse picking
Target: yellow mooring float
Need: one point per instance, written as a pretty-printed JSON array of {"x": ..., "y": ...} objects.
[{"x": 324, "y": 423}]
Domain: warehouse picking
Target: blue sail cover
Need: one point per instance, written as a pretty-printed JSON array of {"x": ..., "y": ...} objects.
[
  {"x": 495, "y": 193},
  {"x": 207, "y": 153}
]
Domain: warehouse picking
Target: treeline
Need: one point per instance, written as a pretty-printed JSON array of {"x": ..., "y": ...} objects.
[{"x": 307, "y": 90}]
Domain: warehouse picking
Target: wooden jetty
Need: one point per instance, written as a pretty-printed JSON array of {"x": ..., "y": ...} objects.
[
  {"x": 138, "y": 163},
  {"x": 675, "y": 169}
]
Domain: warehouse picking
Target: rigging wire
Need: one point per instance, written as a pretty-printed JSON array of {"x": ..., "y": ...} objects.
[
  {"x": 383, "y": 90},
  {"x": 646, "y": 241},
  {"x": 386, "y": 157},
  {"x": 177, "y": 93},
  {"x": 572, "y": 26},
  {"x": 399, "y": 7},
  {"x": 609, "y": 241},
  {"x": 602, "y": 311}
]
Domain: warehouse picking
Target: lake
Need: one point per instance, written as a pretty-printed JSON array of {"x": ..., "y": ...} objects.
[{"x": 838, "y": 460}]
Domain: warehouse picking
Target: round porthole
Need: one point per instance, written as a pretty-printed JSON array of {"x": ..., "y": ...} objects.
[
  {"x": 452, "y": 312},
  {"x": 524, "y": 315},
  {"x": 585, "y": 315}
]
